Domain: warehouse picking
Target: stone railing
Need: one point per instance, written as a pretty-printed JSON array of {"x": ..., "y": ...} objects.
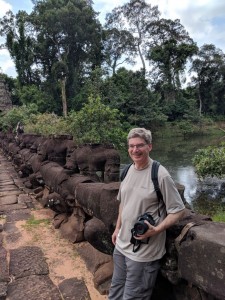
[{"x": 80, "y": 183}]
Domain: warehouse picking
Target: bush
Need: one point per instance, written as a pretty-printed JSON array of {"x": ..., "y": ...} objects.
[
  {"x": 21, "y": 114},
  {"x": 210, "y": 161},
  {"x": 96, "y": 123},
  {"x": 186, "y": 127},
  {"x": 46, "y": 124},
  {"x": 32, "y": 94}
]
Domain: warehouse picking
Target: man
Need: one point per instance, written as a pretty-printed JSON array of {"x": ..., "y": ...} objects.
[{"x": 135, "y": 269}]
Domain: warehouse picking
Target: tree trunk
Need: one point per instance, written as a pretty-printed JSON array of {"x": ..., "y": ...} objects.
[
  {"x": 64, "y": 101},
  {"x": 142, "y": 59},
  {"x": 200, "y": 101}
]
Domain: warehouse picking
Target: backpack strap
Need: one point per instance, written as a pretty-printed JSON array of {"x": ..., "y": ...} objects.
[
  {"x": 124, "y": 172},
  {"x": 154, "y": 174},
  {"x": 154, "y": 177}
]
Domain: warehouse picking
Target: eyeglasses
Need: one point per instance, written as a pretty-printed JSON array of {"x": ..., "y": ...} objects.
[{"x": 138, "y": 146}]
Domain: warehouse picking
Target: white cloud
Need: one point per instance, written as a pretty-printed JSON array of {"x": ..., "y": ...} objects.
[
  {"x": 4, "y": 7},
  {"x": 5, "y": 62},
  {"x": 7, "y": 65},
  {"x": 4, "y": 52},
  {"x": 203, "y": 19}
]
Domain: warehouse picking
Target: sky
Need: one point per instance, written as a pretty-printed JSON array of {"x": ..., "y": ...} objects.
[{"x": 203, "y": 19}]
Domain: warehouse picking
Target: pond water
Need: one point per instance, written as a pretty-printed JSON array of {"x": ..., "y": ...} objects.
[{"x": 176, "y": 155}]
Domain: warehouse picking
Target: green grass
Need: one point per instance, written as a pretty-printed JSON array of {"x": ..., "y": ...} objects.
[
  {"x": 219, "y": 216},
  {"x": 34, "y": 223}
]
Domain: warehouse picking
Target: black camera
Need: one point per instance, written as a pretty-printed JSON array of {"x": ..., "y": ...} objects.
[{"x": 140, "y": 227}]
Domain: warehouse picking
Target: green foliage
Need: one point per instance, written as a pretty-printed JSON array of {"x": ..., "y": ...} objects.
[
  {"x": 128, "y": 91},
  {"x": 11, "y": 84},
  {"x": 60, "y": 69},
  {"x": 46, "y": 124},
  {"x": 214, "y": 209},
  {"x": 21, "y": 114},
  {"x": 68, "y": 42},
  {"x": 219, "y": 216},
  {"x": 57, "y": 39},
  {"x": 118, "y": 47},
  {"x": 186, "y": 127},
  {"x": 209, "y": 67},
  {"x": 138, "y": 18},
  {"x": 171, "y": 50},
  {"x": 59, "y": 47},
  {"x": 32, "y": 94},
  {"x": 194, "y": 125},
  {"x": 20, "y": 44},
  {"x": 181, "y": 108},
  {"x": 210, "y": 161},
  {"x": 96, "y": 123},
  {"x": 93, "y": 85}
]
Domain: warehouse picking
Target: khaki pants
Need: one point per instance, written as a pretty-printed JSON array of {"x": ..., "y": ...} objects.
[{"x": 132, "y": 280}]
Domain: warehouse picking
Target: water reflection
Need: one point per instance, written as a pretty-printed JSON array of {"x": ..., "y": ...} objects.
[
  {"x": 176, "y": 155},
  {"x": 187, "y": 177}
]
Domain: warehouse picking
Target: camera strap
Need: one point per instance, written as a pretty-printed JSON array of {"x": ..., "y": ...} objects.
[{"x": 136, "y": 245}]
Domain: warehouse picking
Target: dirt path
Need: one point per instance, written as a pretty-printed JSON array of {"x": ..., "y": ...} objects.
[{"x": 62, "y": 257}]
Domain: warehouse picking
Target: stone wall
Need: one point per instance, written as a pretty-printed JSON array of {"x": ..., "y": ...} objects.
[
  {"x": 5, "y": 97},
  {"x": 82, "y": 189}
]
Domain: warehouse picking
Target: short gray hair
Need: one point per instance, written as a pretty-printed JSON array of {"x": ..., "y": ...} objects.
[{"x": 143, "y": 133}]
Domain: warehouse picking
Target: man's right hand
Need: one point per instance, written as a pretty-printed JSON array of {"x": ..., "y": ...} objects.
[{"x": 114, "y": 236}]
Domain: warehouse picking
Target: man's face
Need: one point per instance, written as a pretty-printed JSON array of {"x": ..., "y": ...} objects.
[{"x": 139, "y": 150}]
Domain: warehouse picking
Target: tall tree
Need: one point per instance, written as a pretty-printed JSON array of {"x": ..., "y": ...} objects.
[
  {"x": 68, "y": 41},
  {"x": 20, "y": 44},
  {"x": 136, "y": 17},
  {"x": 57, "y": 45},
  {"x": 118, "y": 48},
  {"x": 170, "y": 50},
  {"x": 209, "y": 67}
]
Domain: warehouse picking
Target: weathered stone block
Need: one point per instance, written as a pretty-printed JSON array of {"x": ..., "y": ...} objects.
[
  {"x": 96, "y": 233},
  {"x": 7, "y": 200},
  {"x": 99, "y": 199},
  {"x": 33, "y": 287},
  {"x": 74, "y": 289},
  {"x": 202, "y": 258},
  {"x": 73, "y": 228},
  {"x": 26, "y": 261},
  {"x": 4, "y": 274}
]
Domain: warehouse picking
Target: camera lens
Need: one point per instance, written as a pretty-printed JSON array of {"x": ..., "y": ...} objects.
[{"x": 140, "y": 228}]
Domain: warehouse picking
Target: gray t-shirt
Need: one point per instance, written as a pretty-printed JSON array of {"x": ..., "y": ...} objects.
[{"x": 137, "y": 196}]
